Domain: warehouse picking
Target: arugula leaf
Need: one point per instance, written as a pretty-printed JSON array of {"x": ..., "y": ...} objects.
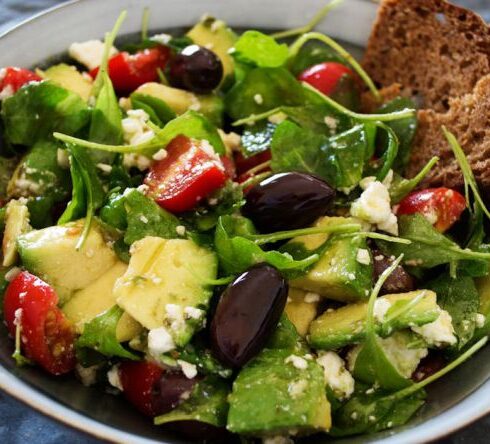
[
  {"x": 263, "y": 89},
  {"x": 40, "y": 108},
  {"x": 100, "y": 335},
  {"x": 460, "y": 298},
  {"x": 428, "y": 247},
  {"x": 160, "y": 113},
  {"x": 254, "y": 47},
  {"x": 404, "y": 129},
  {"x": 208, "y": 403},
  {"x": 146, "y": 218}
]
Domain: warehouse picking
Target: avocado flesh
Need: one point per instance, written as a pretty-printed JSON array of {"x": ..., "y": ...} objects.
[
  {"x": 69, "y": 78},
  {"x": 51, "y": 255},
  {"x": 165, "y": 276},
  {"x": 338, "y": 274},
  {"x": 300, "y": 312},
  {"x": 16, "y": 223},
  {"x": 346, "y": 325},
  {"x": 95, "y": 299},
  {"x": 271, "y": 396}
]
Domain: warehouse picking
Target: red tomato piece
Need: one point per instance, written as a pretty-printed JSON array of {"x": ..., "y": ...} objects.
[
  {"x": 243, "y": 164},
  {"x": 47, "y": 337},
  {"x": 325, "y": 76},
  {"x": 441, "y": 206},
  {"x": 139, "y": 381},
  {"x": 129, "y": 71},
  {"x": 229, "y": 166},
  {"x": 189, "y": 173},
  {"x": 15, "y": 78}
]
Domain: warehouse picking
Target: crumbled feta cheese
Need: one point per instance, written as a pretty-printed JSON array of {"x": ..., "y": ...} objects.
[
  {"x": 440, "y": 332},
  {"x": 17, "y": 317},
  {"x": 311, "y": 298},
  {"x": 160, "y": 154},
  {"x": 231, "y": 140},
  {"x": 89, "y": 53},
  {"x": 331, "y": 123},
  {"x": 114, "y": 378},
  {"x": 258, "y": 99},
  {"x": 297, "y": 388},
  {"x": 6, "y": 92},
  {"x": 87, "y": 375},
  {"x": 175, "y": 316},
  {"x": 373, "y": 206},
  {"x": 62, "y": 159},
  {"x": 336, "y": 375},
  {"x": 125, "y": 103},
  {"x": 144, "y": 219},
  {"x": 277, "y": 118},
  {"x": 381, "y": 307},
  {"x": 194, "y": 313},
  {"x": 135, "y": 127},
  {"x": 160, "y": 341},
  {"x": 480, "y": 320},
  {"x": 180, "y": 229},
  {"x": 297, "y": 361},
  {"x": 363, "y": 256},
  {"x": 162, "y": 38},
  {"x": 189, "y": 370},
  {"x": 104, "y": 167},
  {"x": 136, "y": 160}
]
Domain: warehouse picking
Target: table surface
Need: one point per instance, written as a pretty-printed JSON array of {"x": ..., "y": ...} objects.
[{"x": 21, "y": 424}]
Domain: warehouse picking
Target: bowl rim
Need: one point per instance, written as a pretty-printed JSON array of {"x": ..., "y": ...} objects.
[{"x": 470, "y": 409}]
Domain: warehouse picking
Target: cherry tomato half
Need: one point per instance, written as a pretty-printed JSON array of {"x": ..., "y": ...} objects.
[
  {"x": 129, "y": 71},
  {"x": 47, "y": 337},
  {"x": 15, "y": 78},
  {"x": 325, "y": 76},
  {"x": 441, "y": 206},
  {"x": 189, "y": 173}
]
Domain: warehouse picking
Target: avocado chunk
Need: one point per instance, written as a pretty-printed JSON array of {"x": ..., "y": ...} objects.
[
  {"x": 69, "y": 78},
  {"x": 216, "y": 36},
  {"x": 338, "y": 274},
  {"x": 281, "y": 390},
  {"x": 211, "y": 106},
  {"x": 345, "y": 325},
  {"x": 166, "y": 285},
  {"x": 16, "y": 223},
  {"x": 97, "y": 298},
  {"x": 51, "y": 255},
  {"x": 301, "y": 309}
]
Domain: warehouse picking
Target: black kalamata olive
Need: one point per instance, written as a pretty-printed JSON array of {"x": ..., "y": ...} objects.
[
  {"x": 398, "y": 282},
  {"x": 170, "y": 390},
  {"x": 287, "y": 201},
  {"x": 195, "y": 69},
  {"x": 247, "y": 314}
]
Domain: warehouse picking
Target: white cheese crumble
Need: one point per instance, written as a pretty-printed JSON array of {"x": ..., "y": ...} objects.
[
  {"x": 232, "y": 141},
  {"x": 193, "y": 313},
  {"x": 311, "y": 298},
  {"x": 62, "y": 159},
  {"x": 363, "y": 256},
  {"x": 180, "y": 229},
  {"x": 87, "y": 375},
  {"x": 189, "y": 370},
  {"x": 160, "y": 154},
  {"x": 258, "y": 99},
  {"x": 331, "y": 123},
  {"x": 89, "y": 53},
  {"x": 277, "y": 118},
  {"x": 144, "y": 219},
  {"x": 104, "y": 167},
  {"x": 6, "y": 92},
  {"x": 114, "y": 378},
  {"x": 381, "y": 307},
  {"x": 438, "y": 333},
  {"x": 480, "y": 320},
  {"x": 160, "y": 341},
  {"x": 175, "y": 316},
  {"x": 136, "y": 160},
  {"x": 162, "y": 38},
  {"x": 337, "y": 376},
  {"x": 297, "y": 361},
  {"x": 135, "y": 127},
  {"x": 374, "y": 206},
  {"x": 297, "y": 388}
]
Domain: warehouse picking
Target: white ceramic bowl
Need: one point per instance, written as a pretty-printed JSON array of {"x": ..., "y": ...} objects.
[{"x": 457, "y": 400}]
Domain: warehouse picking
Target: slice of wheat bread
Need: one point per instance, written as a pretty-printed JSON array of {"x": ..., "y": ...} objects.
[
  {"x": 468, "y": 118},
  {"x": 435, "y": 49}
]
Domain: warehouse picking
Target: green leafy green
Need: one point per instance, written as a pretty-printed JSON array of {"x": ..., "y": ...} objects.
[
  {"x": 114, "y": 211},
  {"x": 257, "y": 138},
  {"x": 159, "y": 112},
  {"x": 100, "y": 335},
  {"x": 40, "y": 108},
  {"x": 312, "y": 53},
  {"x": 203, "y": 359},
  {"x": 254, "y": 47}
]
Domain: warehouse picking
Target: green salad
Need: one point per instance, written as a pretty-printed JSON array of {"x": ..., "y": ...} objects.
[{"x": 217, "y": 227}]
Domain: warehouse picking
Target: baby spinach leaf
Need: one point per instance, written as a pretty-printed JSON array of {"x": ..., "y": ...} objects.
[
  {"x": 40, "y": 108},
  {"x": 100, "y": 335},
  {"x": 203, "y": 359},
  {"x": 208, "y": 403},
  {"x": 114, "y": 211},
  {"x": 77, "y": 206},
  {"x": 146, "y": 218},
  {"x": 261, "y": 50},
  {"x": 157, "y": 109},
  {"x": 404, "y": 129},
  {"x": 263, "y": 89},
  {"x": 428, "y": 247},
  {"x": 460, "y": 298}
]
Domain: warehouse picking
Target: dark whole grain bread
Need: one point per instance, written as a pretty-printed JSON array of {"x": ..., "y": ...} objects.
[
  {"x": 468, "y": 118},
  {"x": 435, "y": 49}
]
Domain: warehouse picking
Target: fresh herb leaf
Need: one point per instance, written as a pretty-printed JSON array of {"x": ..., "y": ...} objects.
[
  {"x": 159, "y": 112},
  {"x": 100, "y": 335},
  {"x": 256, "y": 48},
  {"x": 77, "y": 206},
  {"x": 204, "y": 360},
  {"x": 114, "y": 211}
]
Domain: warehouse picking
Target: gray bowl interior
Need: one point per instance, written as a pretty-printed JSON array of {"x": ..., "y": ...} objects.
[{"x": 456, "y": 400}]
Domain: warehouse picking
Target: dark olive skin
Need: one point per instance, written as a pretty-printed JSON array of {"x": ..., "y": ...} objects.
[
  {"x": 398, "y": 282},
  {"x": 247, "y": 314},
  {"x": 171, "y": 389},
  {"x": 195, "y": 69},
  {"x": 287, "y": 201}
]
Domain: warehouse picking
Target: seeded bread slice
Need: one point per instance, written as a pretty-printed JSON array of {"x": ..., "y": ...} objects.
[
  {"x": 468, "y": 118},
  {"x": 435, "y": 49}
]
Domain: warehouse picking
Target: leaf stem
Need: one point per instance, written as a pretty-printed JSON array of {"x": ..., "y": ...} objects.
[
  {"x": 144, "y": 23},
  {"x": 380, "y": 236},
  {"x": 251, "y": 181}
]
